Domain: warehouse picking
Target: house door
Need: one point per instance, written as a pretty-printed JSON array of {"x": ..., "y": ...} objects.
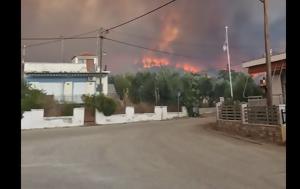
[{"x": 68, "y": 91}]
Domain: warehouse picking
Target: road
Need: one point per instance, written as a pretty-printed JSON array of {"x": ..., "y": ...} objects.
[{"x": 159, "y": 154}]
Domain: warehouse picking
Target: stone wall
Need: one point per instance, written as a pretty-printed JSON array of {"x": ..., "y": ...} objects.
[{"x": 268, "y": 133}]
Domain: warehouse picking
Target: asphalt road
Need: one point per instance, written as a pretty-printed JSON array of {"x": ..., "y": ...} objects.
[{"x": 173, "y": 154}]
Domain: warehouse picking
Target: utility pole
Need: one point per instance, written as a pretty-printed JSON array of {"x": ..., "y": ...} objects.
[
  {"x": 267, "y": 51},
  {"x": 23, "y": 61},
  {"x": 100, "y": 53},
  {"x": 23, "y": 54},
  {"x": 62, "y": 49},
  {"x": 178, "y": 95},
  {"x": 228, "y": 59}
]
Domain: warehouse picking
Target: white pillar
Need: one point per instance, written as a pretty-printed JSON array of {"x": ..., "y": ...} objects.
[
  {"x": 184, "y": 111},
  {"x": 243, "y": 106},
  {"x": 218, "y": 104},
  {"x": 78, "y": 116},
  {"x": 281, "y": 107},
  {"x": 129, "y": 111}
]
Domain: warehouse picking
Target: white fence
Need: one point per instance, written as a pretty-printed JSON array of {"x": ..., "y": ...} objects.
[
  {"x": 35, "y": 119},
  {"x": 160, "y": 113}
]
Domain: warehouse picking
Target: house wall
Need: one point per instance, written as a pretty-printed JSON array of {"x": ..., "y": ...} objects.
[
  {"x": 56, "y": 86},
  {"x": 35, "y": 119},
  {"x": 277, "y": 90},
  {"x": 54, "y": 67},
  {"x": 105, "y": 84}
]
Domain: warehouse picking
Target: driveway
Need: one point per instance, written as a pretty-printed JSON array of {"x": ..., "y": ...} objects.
[{"x": 173, "y": 154}]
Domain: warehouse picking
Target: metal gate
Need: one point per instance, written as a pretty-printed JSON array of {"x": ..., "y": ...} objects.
[{"x": 89, "y": 116}]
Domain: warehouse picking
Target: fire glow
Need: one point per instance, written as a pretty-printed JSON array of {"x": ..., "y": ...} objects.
[
  {"x": 149, "y": 62},
  {"x": 188, "y": 67},
  {"x": 169, "y": 32}
]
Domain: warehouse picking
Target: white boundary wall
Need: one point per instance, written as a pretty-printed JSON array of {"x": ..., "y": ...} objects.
[
  {"x": 35, "y": 119},
  {"x": 160, "y": 113}
]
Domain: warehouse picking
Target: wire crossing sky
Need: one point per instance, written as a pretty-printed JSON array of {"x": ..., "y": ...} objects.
[{"x": 194, "y": 28}]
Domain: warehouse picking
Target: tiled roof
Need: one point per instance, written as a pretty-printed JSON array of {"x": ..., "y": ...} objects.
[{"x": 86, "y": 54}]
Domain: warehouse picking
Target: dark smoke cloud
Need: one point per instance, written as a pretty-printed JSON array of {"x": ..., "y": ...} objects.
[{"x": 201, "y": 29}]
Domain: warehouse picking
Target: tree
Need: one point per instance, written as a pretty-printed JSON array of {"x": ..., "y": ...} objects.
[
  {"x": 32, "y": 98},
  {"x": 121, "y": 84}
]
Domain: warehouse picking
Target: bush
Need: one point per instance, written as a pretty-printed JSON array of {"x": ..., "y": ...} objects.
[
  {"x": 67, "y": 109},
  {"x": 101, "y": 103},
  {"x": 109, "y": 106},
  {"x": 32, "y": 99}
]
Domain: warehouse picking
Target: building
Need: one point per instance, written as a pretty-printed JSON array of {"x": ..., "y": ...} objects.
[
  {"x": 68, "y": 81},
  {"x": 278, "y": 65}
]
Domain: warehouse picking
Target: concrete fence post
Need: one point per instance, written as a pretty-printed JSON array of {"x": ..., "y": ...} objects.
[
  {"x": 129, "y": 111},
  {"x": 218, "y": 104},
  {"x": 243, "y": 107},
  {"x": 184, "y": 111},
  {"x": 281, "y": 107},
  {"x": 164, "y": 111},
  {"x": 78, "y": 116}
]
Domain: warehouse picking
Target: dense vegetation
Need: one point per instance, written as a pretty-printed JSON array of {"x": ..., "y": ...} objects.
[
  {"x": 155, "y": 88},
  {"x": 162, "y": 87}
]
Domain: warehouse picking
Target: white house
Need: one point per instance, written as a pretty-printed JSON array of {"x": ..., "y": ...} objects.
[
  {"x": 68, "y": 81},
  {"x": 278, "y": 67}
]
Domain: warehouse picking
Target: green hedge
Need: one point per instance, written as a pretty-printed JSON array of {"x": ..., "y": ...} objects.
[{"x": 102, "y": 103}]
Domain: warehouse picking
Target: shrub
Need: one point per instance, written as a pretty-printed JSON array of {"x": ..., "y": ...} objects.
[
  {"x": 109, "y": 106},
  {"x": 88, "y": 100},
  {"x": 101, "y": 103},
  {"x": 31, "y": 99},
  {"x": 67, "y": 109}
]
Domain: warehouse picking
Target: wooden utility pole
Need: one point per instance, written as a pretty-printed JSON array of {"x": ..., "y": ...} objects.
[
  {"x": 100, "y": 53},
  {"x": 23, "y": 61},
  {"x": 267, "y": 51},
  {"x": 62, "y": 49}
]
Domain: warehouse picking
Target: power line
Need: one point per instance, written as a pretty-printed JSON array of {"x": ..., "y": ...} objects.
[
  {"x": 119, "y": 25},
  {"x": 156, "y": 50},
  {"x": 209, "y": 44},
  {"x": 106, "y": 30},
  {"x": 56, "y": 38},
  {"x": 128, "y": 44},
  {"x": 150, "y": 49}
]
